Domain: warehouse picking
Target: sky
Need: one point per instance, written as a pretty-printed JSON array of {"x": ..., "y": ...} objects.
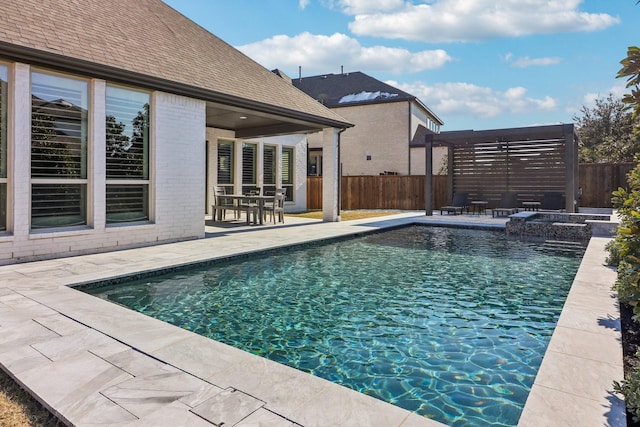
[{"x": 477, "y": 64}]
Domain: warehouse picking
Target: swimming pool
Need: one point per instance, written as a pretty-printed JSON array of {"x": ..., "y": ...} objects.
[{"x": 450, "y": 323}]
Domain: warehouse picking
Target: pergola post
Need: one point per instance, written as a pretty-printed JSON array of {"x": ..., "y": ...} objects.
[
  {"x": 571, "y": 164},
  {"x": 428, "y": 174}
]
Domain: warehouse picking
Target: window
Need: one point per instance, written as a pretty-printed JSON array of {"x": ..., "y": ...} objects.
[
  {"x": 287, "y": 171},
  {"x": 3, "y": 146},
  {"x": 269, "y": 170},
  {"x": 58, "y": 151},
  {"x": 225, "y": 166},
  {"x": 249, "y": 163},
  {"x": 127, "y": 155},
  {"x": 315, "y": 162}
]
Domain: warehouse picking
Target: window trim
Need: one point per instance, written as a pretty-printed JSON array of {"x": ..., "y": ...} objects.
[
  {"x": 291, "y": 172},
  {"x": 148, "y": 159},
  {"x": 86, "y": 167},
  {"x": 4, "y": 148}
]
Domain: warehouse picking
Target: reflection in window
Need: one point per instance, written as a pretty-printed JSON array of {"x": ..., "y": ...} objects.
[
  {"x": 3, "y": 146},
  {"x": 269, "y": 170},
  {"x": 225, "y": 166},
  {"x": 249, "y": 169},
  {"x": 58, "y": 151},
  {"x": 287, "y": 171},
  {"x": 127, "y": 155}
]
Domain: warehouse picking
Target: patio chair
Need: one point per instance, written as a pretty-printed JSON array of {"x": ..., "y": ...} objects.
[
  {"x": 275, "y": 207},
  {"x": 221, "y": 204},
  {"x": 458, "y": 204},
  {"x": 552, "y": 202},
  {"x": 508, "y": 205}
]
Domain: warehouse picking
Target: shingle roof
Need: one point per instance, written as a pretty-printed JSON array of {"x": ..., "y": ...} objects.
[
  {"x": 337, "y": 90},
  {"x": 152, "y": 43}
]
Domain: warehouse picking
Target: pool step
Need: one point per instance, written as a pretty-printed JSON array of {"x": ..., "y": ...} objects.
[{"x": 563, "y": 246}]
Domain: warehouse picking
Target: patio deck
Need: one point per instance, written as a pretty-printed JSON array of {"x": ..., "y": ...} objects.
[{"x": 95, "y": 363}]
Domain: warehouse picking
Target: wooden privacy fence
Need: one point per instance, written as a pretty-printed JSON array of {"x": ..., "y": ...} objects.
[
  {"x": 599, "y": 180},
  {"x": 380, "y": 192},
  {"x": 406, "y": 192}
]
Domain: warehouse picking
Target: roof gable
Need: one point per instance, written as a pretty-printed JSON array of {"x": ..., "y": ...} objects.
[{"x": 149, "y": 39}]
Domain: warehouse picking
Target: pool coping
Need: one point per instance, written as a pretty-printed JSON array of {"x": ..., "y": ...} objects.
[{"x": 45, "y": 326}]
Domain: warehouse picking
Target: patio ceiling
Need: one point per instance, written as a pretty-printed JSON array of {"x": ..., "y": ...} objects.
[{"x": 253, "y": 123}]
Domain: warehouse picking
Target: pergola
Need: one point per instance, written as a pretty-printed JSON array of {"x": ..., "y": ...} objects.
[{"x": 528, "y": 161}]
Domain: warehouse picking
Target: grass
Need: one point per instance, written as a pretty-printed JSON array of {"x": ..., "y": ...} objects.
[
  {"x": 344, "y": 215},
  {"x": 19, "y": 409}
]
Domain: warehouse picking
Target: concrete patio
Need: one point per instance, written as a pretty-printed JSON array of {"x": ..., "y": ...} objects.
[{"x": 95, "y": 363}]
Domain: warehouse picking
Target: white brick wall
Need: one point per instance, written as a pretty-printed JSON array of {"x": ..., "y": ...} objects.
[{"x": 177, "y": 186}]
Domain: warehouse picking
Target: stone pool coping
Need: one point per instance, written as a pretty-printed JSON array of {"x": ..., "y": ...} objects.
[{"x": 93, "y": 362}]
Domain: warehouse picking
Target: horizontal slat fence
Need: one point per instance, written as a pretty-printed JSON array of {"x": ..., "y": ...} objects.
[
  {"x": 597, "y": 180},
  {"x": 527, "y": 168}
]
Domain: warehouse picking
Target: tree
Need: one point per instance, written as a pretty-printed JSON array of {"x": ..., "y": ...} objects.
[
  {"x": 606, "y": 132},
  {"x": 631, "y": 70}
]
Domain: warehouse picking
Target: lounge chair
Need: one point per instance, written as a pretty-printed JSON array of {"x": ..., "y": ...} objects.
[
  {"x": 458, "y": 204},
  {"x": 552, "y": 202},
  {"x": 508, "y": 205}
]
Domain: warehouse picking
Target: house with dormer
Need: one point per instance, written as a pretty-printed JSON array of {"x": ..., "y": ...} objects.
[{"x": 386, "y": 120}]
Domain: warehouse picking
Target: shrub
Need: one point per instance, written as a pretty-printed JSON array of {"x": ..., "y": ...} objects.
[{"x": 624, "y": 251}]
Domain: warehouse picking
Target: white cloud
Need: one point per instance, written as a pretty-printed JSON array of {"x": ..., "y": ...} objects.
[
  {"x": 525, "y": 61},
  {"x": 302, "y": 4},
  {"x": 466, "y": 99},
  {"x": 589, "y": 100},
  {"x": 439, "y": 21},
  {"x": 321, "y": 54}
]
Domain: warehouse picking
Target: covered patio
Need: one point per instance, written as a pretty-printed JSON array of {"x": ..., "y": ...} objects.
[{"x": 528, "y": 161}]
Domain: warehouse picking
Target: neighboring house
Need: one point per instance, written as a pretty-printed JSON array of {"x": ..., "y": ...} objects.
[
  {"x": 117, "y": 118},
  {"x": 386, "y": 120}
]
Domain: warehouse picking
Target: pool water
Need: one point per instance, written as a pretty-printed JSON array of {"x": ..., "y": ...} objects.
[{"x": 449, "y": 323}]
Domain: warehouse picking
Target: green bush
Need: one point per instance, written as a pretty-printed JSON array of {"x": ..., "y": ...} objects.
[
  {"x": 624, "y": 251},
  {"x": 630, "y": 388}
]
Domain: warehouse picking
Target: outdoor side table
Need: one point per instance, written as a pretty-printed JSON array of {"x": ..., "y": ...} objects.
[
  {"x": 480, "y": 206},
  {"x": 531, "y": 206}
]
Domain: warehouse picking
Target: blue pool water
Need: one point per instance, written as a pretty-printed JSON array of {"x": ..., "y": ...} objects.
[{"x": 449, "y": 323}]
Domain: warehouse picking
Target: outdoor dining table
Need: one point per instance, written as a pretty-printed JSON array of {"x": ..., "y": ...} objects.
[{"x": 239, "y": 198}]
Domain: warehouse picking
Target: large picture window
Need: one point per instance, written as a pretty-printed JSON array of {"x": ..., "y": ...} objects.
[
  {"x": 3, "y": 146},
  {"x": 58, "y": 151},
  {"x": 225, "y": 166},
  {"x": 288, "y": 164},
  {"x": 127, "y": 155}
]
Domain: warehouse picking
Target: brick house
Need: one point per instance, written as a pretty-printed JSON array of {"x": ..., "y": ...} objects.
[
  {"x": 111, "y": 120},
  {"x": 386, "y": 120}
]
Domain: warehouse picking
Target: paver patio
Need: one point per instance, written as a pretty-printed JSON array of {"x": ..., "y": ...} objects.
[{"x": 96, "y": 363}]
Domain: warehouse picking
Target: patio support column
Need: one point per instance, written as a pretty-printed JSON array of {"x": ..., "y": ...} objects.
[
  {"x": 571, "y": 165},
  {"x": 428, "y": 174},
  {"x": 330, "y": 174}
]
